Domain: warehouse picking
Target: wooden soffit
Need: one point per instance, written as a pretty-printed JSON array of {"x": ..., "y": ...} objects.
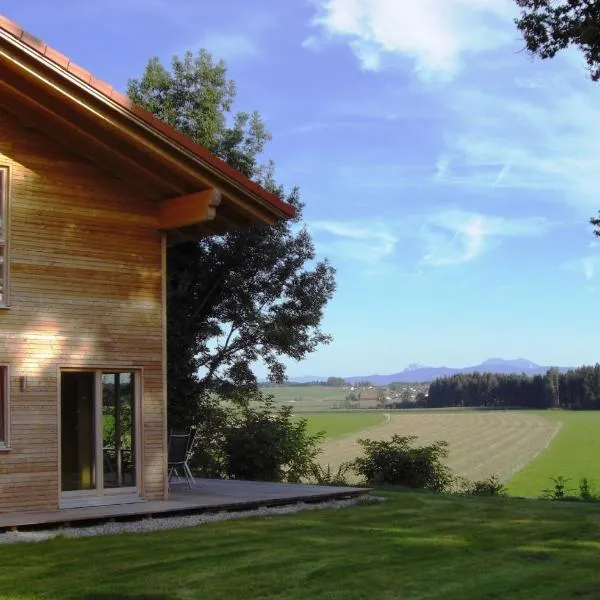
[{"x": 197, "y": 192}]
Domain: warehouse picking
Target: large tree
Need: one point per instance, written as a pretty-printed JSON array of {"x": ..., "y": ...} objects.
[
  {"x": 549, "y": 26},
  {"x": 249, "y": 296}
]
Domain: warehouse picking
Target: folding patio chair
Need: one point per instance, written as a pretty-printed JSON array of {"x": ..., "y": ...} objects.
[{"x": 180, "y": 451}]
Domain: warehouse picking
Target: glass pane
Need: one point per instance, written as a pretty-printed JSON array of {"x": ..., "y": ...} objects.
[
  {"x": 78, "y": 455},
  {"x": 2, "y": 273},
  {"x": 118, "y": 427},
  {"x": 2, "y": 404},
  {"x": 2, "y": 205}
]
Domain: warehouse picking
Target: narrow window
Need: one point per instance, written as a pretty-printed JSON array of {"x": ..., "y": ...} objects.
[
  {"x": 3, "y": 237},
  {"x": 3, "y": 406}
]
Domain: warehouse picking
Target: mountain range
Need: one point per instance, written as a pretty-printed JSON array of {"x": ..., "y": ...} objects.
[{"x": 416, "y": 373}]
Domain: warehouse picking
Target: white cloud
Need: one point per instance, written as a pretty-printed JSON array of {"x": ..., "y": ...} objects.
[
  {"x": 435, "y": 34},
  {"x": 454, "y": 237},
  {"x": 363, "y": 242}
]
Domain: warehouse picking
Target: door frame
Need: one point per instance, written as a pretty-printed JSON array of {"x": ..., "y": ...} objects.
[{"x": 99, "y": 495}]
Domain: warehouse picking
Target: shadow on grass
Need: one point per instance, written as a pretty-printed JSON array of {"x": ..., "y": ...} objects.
[{"x": 412, "y": 545}]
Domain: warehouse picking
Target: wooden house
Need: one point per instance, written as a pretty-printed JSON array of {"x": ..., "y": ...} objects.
[{"x": 92, "y": 190}]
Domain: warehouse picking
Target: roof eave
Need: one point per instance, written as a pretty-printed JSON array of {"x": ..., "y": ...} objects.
[{"x": 156, "y": 134}]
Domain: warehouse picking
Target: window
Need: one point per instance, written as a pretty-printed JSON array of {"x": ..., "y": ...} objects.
[
  {"x": 3, "y": 237},
  {"x": 3, "y": 406}
]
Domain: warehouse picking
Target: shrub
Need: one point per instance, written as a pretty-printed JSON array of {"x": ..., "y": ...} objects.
[
  {"x": 586, "y": 492},
  {"x": 397, "y": 462},
  {"x": 560, "y": 490},
  {"x": 491, "y": 486},
  {"x": 325, "y": 476},
  {"x": 265, "y": 444}
]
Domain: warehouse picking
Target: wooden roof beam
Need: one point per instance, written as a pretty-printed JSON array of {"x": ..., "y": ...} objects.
[{"x": 191, "y": 209}]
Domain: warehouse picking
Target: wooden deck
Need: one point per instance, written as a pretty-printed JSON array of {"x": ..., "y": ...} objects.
[{"x": 208, "y": 495}]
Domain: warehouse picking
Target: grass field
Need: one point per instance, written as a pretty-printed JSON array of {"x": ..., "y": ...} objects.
[
  {"x": 339, "y": 424},
  {"x": 481, "y": 443},
  {"x": 574, "y": 453},
  {"x": 536, "y": 445},
  {"x": 411, "y": 546},
  {"x": 308, "y": 398}
]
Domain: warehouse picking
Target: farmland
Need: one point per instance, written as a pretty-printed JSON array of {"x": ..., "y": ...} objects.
[
  {"x": 307, "y": 398},
  {"x": 339, "y": 424},
  {"x": 574, "y": 453},
  {"x": 481, "y": 443},
  {"x": 526, "y": 449}
]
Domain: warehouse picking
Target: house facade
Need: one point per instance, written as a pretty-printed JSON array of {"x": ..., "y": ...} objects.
[{"x": 92, "y": 191}]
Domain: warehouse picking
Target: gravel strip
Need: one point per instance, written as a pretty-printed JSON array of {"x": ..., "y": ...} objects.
[{"x": 165, "y": 523}]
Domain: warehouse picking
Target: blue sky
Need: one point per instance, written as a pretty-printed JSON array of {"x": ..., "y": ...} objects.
[{"x": 447, "y": 175}]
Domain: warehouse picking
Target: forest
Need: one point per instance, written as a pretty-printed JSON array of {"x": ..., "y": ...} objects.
[{"x": 577, "y": 389}]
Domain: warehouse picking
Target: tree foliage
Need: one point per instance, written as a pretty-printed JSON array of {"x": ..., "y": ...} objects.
[
  {"x": 550, "y": 26},
  {"x": 577, "y": 389},
  {"x": 256, "y": 442},
  {"x": 249, "y": 296},
  {"x": 264, "y": 444}
]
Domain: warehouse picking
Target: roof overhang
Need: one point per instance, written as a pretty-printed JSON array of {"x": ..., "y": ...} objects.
[{"x": 198, "y": 193}]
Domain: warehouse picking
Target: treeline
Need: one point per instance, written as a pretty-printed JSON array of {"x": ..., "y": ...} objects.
[{"x": 577, "y": 389}]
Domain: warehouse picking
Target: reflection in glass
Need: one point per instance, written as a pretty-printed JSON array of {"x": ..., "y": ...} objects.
[
  {"x": 118, "y": 429},
  {"x": 78, "y": 457},
  {"x": 2, "y": 278}
]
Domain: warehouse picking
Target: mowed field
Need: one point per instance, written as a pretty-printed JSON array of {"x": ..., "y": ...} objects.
[{"x": 481, "y": 443}]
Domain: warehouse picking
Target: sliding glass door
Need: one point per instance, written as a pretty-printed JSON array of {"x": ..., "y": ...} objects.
[
  {"x": 99, "y": 434},
  {"x": 78, "y": 428},
  {"x": 118, "y": 430}
]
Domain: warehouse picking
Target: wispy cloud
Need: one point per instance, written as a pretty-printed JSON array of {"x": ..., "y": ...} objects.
[
  {"x": 435, "y": 34},
  {"x": 230, "y": 46},
  {"x": 444, "y": 238},
  {"x": 362, "y": 242},
  {"x": 548, "y": 143},
  {"x": 588, "y": 266},
  {"x": 312, "y": 42},
  {"x": 454, "y": 237}
]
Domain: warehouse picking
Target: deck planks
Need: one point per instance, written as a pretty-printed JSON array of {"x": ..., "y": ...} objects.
[{"x": 208, "y": 495}]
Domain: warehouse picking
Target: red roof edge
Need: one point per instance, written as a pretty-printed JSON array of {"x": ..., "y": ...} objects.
[{"x": 160, "y": 126}]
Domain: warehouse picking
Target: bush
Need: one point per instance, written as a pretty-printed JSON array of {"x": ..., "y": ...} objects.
[
  {"x": 397, "y": 462},
  {"x": 325, "y": 476},
  {"x": 586, "y": 492},
  {"x": 491, "y": 486},
  {"x": 264, "y": 444},
  {"x": 207, "y": 456},
  {"x": 559, "y": 491}
]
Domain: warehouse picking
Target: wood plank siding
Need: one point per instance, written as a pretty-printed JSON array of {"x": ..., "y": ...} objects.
[{"x": 85, "y": 291}]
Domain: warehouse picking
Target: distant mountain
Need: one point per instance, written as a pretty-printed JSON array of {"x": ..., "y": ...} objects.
[{"x": 416, "y": 373}]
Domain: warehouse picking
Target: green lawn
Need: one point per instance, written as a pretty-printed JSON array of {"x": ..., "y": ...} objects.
[
  {"x": 339, "y": 424},
  {"x": 574, "y": 453},
  {"x": 412, "y": 546}
]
